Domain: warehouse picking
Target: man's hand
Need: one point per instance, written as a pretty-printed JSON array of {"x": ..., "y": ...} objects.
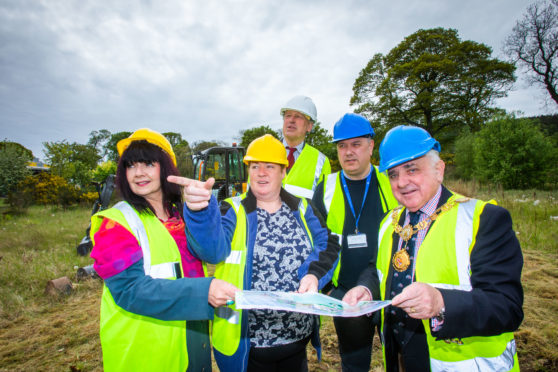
[
  {"x": 195, "y": 194},
  {"x": 420, "y": 301},
  {"x": 220, "y": 292},
  {"x": 309, "y": 283},
  {"x": 357, "y": 294}
]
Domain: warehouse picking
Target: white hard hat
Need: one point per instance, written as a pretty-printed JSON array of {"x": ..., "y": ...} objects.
[{"x": 303, "y": 105}]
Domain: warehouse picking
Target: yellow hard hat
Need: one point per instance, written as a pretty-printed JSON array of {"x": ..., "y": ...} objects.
[
  {"x": 267, "y": 149},
  {"x": 150, "y": 136}
]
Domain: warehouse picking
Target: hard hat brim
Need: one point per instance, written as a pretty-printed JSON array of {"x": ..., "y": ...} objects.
[
  {"x": 123, "y": 144},
  {"x": 247, "y": 159},
  {"x": 404, "y": 158}
]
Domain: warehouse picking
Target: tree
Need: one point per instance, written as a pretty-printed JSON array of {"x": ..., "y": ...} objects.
[
  {"x": 183, "y": 154},
  {"x": 103, "y": 170},
  {"x": 204, "y": 145},
  {"x": 110, "y": 147},
  {"x": 320, "y": 139},
  {"x": 98, "y": 139},
  {"x": 433, "y": 80},
  {"x": 248, "y": 135},
  {"x": 21, "y": 150},
  {"x": 534, "y": 44},
  {"x": 13, "y": 165},
  {"x": 72, "y": 161},
  {"x": 175, "y": 139}
]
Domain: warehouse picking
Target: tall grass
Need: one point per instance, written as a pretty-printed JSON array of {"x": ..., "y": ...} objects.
[
  {"x": 531, "y": 211},
  {"x": 35, "y": 248}
]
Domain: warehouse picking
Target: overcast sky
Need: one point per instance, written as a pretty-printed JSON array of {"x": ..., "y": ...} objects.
[{"x": 208, "y": 69}]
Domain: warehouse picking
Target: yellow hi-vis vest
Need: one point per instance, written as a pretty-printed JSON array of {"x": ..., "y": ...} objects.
[
  {"x": 334, "y": 203},
  {"x": 228, "y": 320},
  {"x": 308, "y": 170},
  {"x": 443, "y": 261},
  {"x": 132, "y": 342}
]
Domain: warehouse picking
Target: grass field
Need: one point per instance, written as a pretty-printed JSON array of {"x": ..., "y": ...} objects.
[{"x": 41, "y": 333}]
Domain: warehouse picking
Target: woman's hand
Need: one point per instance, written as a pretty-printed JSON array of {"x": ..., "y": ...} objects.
[
  {"x": 195, "y": 194},
  {"x": 309, "y": 283},
  {"x": 221, "y": 293}
]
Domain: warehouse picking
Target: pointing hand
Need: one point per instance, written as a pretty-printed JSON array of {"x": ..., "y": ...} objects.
[{"x": 195, "y": 194}]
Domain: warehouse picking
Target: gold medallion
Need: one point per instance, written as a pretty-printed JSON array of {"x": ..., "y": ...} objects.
[{"x": 401, "y": 260}]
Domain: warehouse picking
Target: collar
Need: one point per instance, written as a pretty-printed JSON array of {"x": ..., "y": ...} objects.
[
  {"x": 431, "y": 205},
  {"x": 250, "y": 202},
  {"x": 298, "y": 148}
]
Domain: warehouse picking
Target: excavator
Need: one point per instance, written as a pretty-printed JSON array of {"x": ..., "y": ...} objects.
[{"x": 224, "y": 163}]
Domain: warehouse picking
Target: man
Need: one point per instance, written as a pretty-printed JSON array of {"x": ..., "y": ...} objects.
[
  {"x": 452, "y": 272},
  {"x": 307, "y": 166},
  {"x": 353, "y": 202}
]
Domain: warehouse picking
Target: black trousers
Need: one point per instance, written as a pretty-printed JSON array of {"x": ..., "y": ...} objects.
[
  {"x": 413, "y": 355},
  {"x": 284, "y": 358},
  {"x": 355, "y": 336}
]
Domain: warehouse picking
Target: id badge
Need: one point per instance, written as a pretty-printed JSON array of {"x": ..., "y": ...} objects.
[{"x": 356, "y": 241}]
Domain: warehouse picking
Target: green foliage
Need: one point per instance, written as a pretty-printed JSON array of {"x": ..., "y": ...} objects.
[
  {"x": 548, "y": 125},
  {"x": 20, "y": 149},
  {"x": 248, "y": 135},
  {"x": 320, "y": 139},
  {"x": 464, "y": 160},
  {"x": 103, "y": 170},
  {"x": 433, "y": 80},
  {"x": 13, "y": 165},
  {"x": 72, "y": 161},
  {"x": 110, "y": 147},
  {"x": 507, "y": 151},
  {"x": 175, "y": 139}
]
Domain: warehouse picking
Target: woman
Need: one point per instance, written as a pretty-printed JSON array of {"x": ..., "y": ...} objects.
[
  {"x": 273, "y": 242},
  {"x": 153, "y": 282}
]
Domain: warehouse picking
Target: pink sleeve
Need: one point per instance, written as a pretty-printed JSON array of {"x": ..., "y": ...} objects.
[
  {"x": 191, "y": 266},
  {"x": 115, "y": 249}
]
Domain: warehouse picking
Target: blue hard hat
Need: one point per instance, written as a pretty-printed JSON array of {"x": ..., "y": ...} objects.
[
  {"x": 351, "y": 126},
  {"x": 404, "y": 143}
]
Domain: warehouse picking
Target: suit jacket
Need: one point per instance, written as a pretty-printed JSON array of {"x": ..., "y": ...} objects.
[{"x": 494, "y": 306}]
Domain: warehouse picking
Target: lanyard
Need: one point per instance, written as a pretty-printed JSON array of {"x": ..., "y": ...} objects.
[{"x": 348, "y": 194}]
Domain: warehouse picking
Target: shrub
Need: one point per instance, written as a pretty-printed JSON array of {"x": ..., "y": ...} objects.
[
  {"x": 512, "y": 152},
  {"x": 45, "y": 189},
  {"x": 103, "y": 170},
  {"x": 88, "y": 198}
]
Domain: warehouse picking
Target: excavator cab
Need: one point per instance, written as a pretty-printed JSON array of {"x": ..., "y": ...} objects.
[{"x": 225, "y": 165}]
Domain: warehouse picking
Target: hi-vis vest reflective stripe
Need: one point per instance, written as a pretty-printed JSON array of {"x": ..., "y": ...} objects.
[
  {"x": 131, "y": 341},
  {"x": 227, "y": 321},
  {"x": 443, "y": 261},
  {"x": 334, "y": 203},
  {"x": 306, "y": 172}
]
